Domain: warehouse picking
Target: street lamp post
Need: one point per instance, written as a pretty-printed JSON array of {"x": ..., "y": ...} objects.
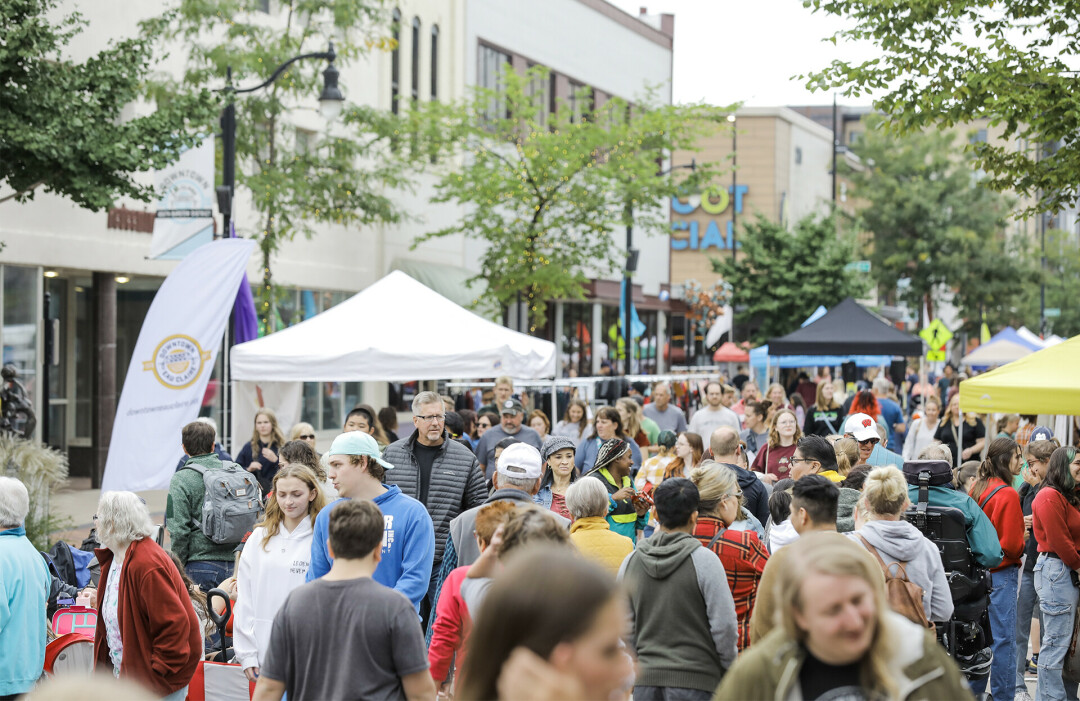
[
  {"x": 631, "y": 266},
  {"x": 330, "y": 103},
  {"x": 734, "y": 153}
]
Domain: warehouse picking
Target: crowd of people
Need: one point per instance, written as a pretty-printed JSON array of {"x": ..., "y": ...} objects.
[{"x": 761, "y": 546}]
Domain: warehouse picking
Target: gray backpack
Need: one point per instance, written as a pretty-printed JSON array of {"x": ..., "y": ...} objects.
[{"x": 232, "y": 503}]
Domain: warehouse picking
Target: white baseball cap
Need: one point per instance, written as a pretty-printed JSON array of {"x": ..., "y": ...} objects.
[
  {"x": 862, "y": 426},
  {"x": 520, "y": 461}
]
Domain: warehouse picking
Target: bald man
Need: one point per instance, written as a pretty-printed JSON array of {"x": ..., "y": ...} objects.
[{"x": 726, "y": 448}]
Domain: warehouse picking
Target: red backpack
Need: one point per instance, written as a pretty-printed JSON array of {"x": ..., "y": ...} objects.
[{"x": 905, "y": 596}]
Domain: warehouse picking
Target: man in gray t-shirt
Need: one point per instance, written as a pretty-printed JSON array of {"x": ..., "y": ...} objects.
[
  {"x": 666, "y": 415},
  {"x": 345, "y": 636}
]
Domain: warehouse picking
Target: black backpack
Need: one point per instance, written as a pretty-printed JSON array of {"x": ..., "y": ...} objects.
[{"x": 966, "y": 636}]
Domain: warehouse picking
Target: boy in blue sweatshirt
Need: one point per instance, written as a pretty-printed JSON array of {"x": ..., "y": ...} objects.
[{"x": 408, "y": 546}]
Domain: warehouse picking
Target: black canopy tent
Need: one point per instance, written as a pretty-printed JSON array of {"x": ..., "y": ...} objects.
[{"x": 847, "y": 329}]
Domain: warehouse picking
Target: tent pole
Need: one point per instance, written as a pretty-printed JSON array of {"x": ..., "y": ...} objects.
[{"x": 554, "y": 400}]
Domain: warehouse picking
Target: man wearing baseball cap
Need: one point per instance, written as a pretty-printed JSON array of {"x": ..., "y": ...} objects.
[
  {"x": 872, "y": 450},
  {"x": 512, "y": 413},
  {"x": 408, "y": 548},
  {"x": 517, "y": 480}
]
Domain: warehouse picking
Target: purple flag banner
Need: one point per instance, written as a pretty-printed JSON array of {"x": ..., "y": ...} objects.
[{"x": 245, "y": 321}]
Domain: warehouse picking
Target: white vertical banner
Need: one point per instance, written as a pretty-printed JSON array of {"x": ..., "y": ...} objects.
[
  {"x": 171, "y": 364},
  {"x": 185, "y": 212}
]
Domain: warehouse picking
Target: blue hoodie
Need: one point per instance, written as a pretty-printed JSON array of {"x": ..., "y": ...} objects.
[
  {"x": 408, "y": 548},
  {"x": 24, "y": 591}
]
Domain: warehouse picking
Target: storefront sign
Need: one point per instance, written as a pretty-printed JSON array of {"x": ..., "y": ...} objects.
[{"x": 714, "y": 200}]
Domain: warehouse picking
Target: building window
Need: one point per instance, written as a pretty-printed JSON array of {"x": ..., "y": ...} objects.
[
  {"x": 798, "y": 155},
  {"x": 575, "y": 101},
  {"x": 434, "y": 62},
  {"x": 489, "y": 76},
  {"x": 553, "y": 102},
  {"x": 538, "y": 88},
  {"x": 263, "y": 6},
  {"x": 415, "y": 82},
  {"x": 978, "y": 137},
  {"x": 395, "y": 62},
  {"x": 853, "y": 137}
]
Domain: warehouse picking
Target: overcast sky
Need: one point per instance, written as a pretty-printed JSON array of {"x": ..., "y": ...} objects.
[{"x": 718, "y": 41}]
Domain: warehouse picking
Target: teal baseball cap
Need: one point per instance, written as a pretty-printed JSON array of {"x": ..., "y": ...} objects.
[{"x": 357, "y": 443}]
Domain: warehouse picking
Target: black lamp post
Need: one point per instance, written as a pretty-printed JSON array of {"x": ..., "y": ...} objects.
[
  {"x": 734, "y": 154},
  {"x": 631, "y": 266},
  {"x": 330, "y": 103}
]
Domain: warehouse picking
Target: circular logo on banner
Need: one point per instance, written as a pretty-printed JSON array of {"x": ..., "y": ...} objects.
[{"x": 178, "y": 361}]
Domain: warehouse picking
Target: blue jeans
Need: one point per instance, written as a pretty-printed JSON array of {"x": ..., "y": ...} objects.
[
  {"x": 1003, "y": 630},
  {"x": 1057, "y": 601},
  {"x": 207, "y": 574},
  {"x": 1027, "y": 606},
  {"x": 178, "y": 695}
]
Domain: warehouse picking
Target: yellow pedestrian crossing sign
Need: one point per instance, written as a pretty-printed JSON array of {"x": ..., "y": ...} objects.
[{"x": 936, "y": 335}]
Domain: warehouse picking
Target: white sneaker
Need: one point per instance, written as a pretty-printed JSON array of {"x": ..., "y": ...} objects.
[{"x": 1022, "y": 696}]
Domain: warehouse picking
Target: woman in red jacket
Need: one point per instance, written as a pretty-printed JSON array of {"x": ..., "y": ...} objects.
[
  {"x": 147, "y": 630},
  {"x": 1056, "y": 524},
  {"x": 1000, "y": 502}
]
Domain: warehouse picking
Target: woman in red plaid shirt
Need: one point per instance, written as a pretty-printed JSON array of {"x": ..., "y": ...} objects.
[{"x": 741, "y": 553}]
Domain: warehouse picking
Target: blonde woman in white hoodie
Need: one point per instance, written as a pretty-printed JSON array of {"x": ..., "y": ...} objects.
[{"x": 274, "y": 561}]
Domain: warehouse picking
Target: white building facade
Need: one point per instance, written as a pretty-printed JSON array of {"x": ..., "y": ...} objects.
[{"x": 94, "y": 266}]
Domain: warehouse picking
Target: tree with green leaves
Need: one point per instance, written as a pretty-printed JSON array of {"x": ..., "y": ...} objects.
[
  {"x": 1062, "y": 278},
  {"x": 936, "y": 227},
  {"x": 783, "y": 276},
  {"x": 942, "y": 63},
  {"x": 545, "y": 191},
  {"x": 298, "y": 179},
  {"x": 61, "y": 124}
]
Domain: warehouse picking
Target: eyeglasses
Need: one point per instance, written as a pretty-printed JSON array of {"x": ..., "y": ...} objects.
[
  {"x": 737, "y": 496},
  {"x": 794, "y": 459},
  {"x": 870, "y": 441},
  {"x": 433, "y": 418},
  {"x": 307, "y": 436}
]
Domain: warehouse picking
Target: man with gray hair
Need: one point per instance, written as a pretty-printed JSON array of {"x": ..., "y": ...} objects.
[
  {"x": 24, "y": 593},
  {"x": 440, "y": 473},
  {"x": 667, "y": 416},
  {"x": 516, "y": 480}
]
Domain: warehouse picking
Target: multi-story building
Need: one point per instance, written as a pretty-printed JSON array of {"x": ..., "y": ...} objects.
[{"x": 95, "y": 268}]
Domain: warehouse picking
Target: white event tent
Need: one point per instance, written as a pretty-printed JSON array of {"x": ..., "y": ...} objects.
[{"x": 395, "y": 330}]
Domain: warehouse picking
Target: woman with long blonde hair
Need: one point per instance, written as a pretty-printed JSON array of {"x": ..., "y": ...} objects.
[
  {"x": 839, "y": 638},
  {"x": 688, "y": 451},
  {"x": 274, "y": 561},
  {"x": 826, "y": 416},
  {"x": 260, "y": 454},
  {"x": 630, "y": 413}
]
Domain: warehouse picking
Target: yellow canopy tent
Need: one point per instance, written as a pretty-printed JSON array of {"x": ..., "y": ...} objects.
[{"x": 1045, "y": 382}]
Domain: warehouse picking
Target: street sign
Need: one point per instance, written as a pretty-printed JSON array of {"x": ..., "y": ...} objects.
[
  {"x": 1052, "y": 311},
  {"x": 936, "y": 356},
  {"x": 859, "y": 266},
  {"x": 936, "y": 335}
]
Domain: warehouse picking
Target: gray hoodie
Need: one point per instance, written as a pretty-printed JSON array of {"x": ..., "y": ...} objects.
[
  {"x": 899, "y": 541},
  {"x": 671, "y": 577}
]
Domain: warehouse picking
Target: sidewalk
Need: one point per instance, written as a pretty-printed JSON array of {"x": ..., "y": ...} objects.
[{"x": 77, "y": 501}]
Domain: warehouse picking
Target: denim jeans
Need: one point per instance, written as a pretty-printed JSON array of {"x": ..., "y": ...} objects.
[
  {"x": 1057, "y": 601},
  {"x": 1003, "y": 630},
  {"x": 207, "y": 574},
  {"x": 1027, "y": 606},
  {"x": 179, "y": 694},
  {"x": 669, "y": 693}
]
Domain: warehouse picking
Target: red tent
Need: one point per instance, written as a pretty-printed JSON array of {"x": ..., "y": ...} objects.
[{"x": 730, "y": 353}]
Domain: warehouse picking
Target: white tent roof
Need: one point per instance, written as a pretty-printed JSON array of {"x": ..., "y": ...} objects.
[
  {"x": 395, "y": 330},
  {"x": 996, "y": 353}
]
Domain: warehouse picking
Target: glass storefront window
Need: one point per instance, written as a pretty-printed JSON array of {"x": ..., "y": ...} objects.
[
  {"x": 84, "y": 358},
  {"x": 331, "y": 413},
  {"x": 22, "y": 308}
]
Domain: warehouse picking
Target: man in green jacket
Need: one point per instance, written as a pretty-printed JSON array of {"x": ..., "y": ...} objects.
[{"x": 206, "y": 562}]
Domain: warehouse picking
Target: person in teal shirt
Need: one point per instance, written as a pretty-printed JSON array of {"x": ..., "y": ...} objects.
[{"x": 24, "y": 593}]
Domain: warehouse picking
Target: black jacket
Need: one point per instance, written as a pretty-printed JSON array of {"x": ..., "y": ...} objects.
[
  {"x": 755, "y": 496},
  {"x": 456, "y": 485}
]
